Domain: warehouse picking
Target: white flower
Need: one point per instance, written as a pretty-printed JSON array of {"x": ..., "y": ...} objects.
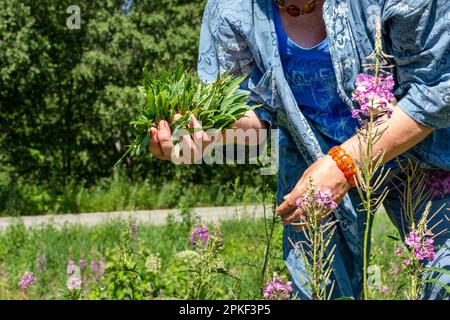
[
  {"x": 153, "y": 263},
  {"x": 74, "y": 283},
  {"x": 187, "y": 255}
]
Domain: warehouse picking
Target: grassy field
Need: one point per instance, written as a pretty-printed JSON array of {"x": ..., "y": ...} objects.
[{"x": 243, "y": 251}]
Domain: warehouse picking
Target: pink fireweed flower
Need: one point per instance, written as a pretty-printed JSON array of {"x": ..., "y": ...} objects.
[
  {"x": 421, "y": 247},
  {"x": 27, "y": 281},
  {"x": 98, "y": 268},
  {"x": 82, "y": 264},
  {"x": 277, "y": 289},
  {"x": 373, "y": 99},
  {"x": 406, "y": 262},
  {"x": 324, "y": 200},
  {"x": 70, "y": 267},
  {"x": 384, "y": 289},
  {"x": 398, "y": 250},
  {"x": 199, "y": 234},
  {"x": 74, "y": 283}
]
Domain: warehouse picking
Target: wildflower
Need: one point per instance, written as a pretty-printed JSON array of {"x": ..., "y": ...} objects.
[
  {"x": 153, "y": 263},
  {"x": 98, "y": 268},
  {"x": 199, "y": 233},
  {"x": 324, "y": 199},
  {"x": 82, "y": 264},
  {"x": 384, "y": 289},
  {"x": 394, "y": 270},
  {"x": 277, "y": 289},
  {"x": 217, "y": 236},
  {"x": 42, "y": 261},
  {"x": 190, "y": 257},
  {"x": 93, "y": 265},
  {"x": 27, "y": 280},
  {"x": 406, "y": 262},
  {"x": 374, "y": 95},
  {"x": 399, "y": 250},
  {"x": 421, "y": 247},
  {"x": 70, "y": 267},
  {"x": 74, "y": 284}
]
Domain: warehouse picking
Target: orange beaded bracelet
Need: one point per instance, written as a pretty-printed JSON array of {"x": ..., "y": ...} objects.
[{"x": 345, "y": 164}]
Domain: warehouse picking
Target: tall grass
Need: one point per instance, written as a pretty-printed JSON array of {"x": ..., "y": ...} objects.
[{"x": 115, "y": 194}]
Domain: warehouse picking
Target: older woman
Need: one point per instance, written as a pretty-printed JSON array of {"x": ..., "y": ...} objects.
[{"x": 302, "y": 58}]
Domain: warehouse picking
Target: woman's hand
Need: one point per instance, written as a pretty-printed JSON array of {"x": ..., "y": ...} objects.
[
  {"x": 325, "y": 174},
  {"x": 192, "y": 146},
  {"x": 198, "y": 143}
]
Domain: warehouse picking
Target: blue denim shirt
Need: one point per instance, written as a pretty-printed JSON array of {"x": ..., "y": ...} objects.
[{"x": 240, "y": 35}]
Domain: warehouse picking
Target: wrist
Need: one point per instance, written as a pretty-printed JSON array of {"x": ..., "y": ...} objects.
[{"x": 345, "y": 164}]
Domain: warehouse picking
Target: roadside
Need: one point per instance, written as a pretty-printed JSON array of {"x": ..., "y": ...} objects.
[{"x": 153, "y": 217}]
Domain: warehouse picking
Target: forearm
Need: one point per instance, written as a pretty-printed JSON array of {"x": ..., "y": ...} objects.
[
  {"x": 401, "y": 134},
  {"x": 247, "y": 130}
]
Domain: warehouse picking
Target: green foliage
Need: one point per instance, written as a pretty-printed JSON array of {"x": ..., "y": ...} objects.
[
  {"x": 166, "y": 93},
  {"x": 67, "y": 96},
  {"x": 118, "y": 193}
]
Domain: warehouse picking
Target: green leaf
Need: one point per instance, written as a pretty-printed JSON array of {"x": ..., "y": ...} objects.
[
  {"x": 439, "y": 283},
  {"x": 440, "y": 270}
]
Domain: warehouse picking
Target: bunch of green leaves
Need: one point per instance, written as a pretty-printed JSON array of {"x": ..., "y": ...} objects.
[{"x": 216, "y": 105}]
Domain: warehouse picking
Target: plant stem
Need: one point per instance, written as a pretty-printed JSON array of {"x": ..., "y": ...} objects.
[
  {"x": 269, "y": 236},
  {"x": 316, "y": 267}
]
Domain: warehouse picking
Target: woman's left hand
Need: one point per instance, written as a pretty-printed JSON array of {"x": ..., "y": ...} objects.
[{"x": 325, "y": 174}]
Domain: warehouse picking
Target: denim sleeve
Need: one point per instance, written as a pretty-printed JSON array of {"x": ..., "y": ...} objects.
[
  {"x": 419, "y": 36},
  {"x": 223, "y": 48}
]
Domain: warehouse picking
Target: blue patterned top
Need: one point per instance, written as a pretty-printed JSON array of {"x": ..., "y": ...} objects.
[{"x": 310, "y": 75}]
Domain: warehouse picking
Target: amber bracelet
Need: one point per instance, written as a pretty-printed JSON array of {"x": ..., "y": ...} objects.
[{"x": 345, "y": 163}]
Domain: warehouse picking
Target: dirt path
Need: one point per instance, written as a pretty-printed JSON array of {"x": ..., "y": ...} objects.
[{"x": 155, "y": 217}]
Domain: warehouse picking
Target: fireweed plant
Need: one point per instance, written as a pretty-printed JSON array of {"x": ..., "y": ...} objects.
[
  {"x": 208, "y": 247},
  {"x": 374, "y": 95},
  {"x": 123, "y": 279},
  {"x": 278, "y": 288},
  {"x": 316, "y": 250},
  {"x": 418, "y": 247},
  {"x": 27, "y": 281},
  {"x": 74, "y": 282},
  {"x": 166, "y": 93},
  {"x": 268, "y": 199}
]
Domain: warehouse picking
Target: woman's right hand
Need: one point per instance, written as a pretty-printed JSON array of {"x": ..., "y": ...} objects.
[{"x": 192, "y": 146}]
